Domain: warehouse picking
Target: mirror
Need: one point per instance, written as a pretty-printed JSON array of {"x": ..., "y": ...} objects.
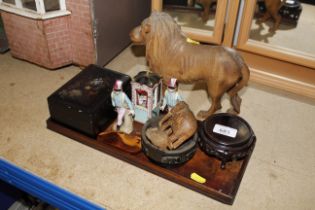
[
  {"x": 195, "y": 14},
  {"x": 201, "y": 20},
  {"x": 287, "y": 24}
]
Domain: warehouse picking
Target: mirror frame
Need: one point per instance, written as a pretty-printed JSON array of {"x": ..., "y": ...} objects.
[
  {"x": 230, "y": 22},
  {"x": 199, "y": 34},
  {"x": 278, "y": 52}
]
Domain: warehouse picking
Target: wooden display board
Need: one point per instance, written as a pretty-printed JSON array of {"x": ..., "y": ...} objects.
[{"x": 221, "y": 184}]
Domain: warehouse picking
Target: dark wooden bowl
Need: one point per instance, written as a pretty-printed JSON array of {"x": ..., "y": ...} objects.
[{"x": 167, "y": 158}]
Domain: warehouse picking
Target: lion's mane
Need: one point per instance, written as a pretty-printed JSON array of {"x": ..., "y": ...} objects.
[{"x": 165, "y": 35}]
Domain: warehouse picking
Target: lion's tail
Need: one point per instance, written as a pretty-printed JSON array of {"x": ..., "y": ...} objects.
[
  {"x": 243, "y": 81},
  {"x": 245, "y": 73}
]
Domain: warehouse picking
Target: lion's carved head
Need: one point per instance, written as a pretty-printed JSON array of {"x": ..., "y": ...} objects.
[{"x": 159, "y": 26}]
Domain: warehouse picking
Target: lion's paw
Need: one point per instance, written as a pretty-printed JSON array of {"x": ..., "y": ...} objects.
[{"x": 202, "y": 115}]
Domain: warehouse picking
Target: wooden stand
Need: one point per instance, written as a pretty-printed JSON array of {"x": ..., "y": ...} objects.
[{"x": 221, "y": 184}]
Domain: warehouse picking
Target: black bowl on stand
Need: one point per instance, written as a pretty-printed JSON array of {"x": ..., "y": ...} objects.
[
  {"x": 167, "y": 158},
  {"x": 226, "y": 136}
]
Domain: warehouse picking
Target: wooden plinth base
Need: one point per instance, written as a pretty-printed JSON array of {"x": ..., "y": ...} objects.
[{"x": 221, "y": 184}]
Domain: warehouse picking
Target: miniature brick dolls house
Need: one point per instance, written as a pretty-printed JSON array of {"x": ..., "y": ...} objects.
[
  {"x": 45, "y": 32},
  {"x": 146, "y": 95},
  {"x": 55, "y": 33}
]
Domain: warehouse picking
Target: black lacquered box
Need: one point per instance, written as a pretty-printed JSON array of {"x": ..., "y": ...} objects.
[{"x": 84, "y": 102}]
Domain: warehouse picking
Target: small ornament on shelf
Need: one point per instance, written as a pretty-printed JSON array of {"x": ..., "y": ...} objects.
[
  {"x": 171, "y": 95},
  {"x": 146, "y": 95},
  {"x": 124, "y": 109}
]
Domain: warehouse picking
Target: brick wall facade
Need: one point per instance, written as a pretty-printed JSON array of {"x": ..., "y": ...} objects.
[
  {"x": 30, "y": 46},
  {"x": 56, "y": 32},
  {"x": 82, "y": 41},
  {"x": 55, "y": 42}
]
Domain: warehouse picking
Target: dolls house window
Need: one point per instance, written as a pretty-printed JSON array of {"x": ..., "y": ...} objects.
[
  {"x": 37, "y": 9},
  {"x": 9, "y": 1},
  {"x": 142, "y": 98},
  {"x": 51, "y": 5},
  {"x": 29, "y": 4}
]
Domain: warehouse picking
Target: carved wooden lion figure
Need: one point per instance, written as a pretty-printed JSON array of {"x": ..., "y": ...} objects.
[{"x": 169, "y": 55}]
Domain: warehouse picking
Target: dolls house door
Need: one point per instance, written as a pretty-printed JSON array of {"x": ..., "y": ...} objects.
[{"x": 113, "y": 20}]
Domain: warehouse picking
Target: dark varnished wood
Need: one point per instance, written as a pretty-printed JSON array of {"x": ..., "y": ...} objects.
[{"x": 221, "y": 185}]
